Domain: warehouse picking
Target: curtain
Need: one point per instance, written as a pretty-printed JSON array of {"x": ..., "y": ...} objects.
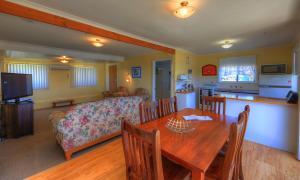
[
  {"x": 238, "y": 69},
  {"x": 85, "y": 76},
  {"x": 39, "y": 73}
]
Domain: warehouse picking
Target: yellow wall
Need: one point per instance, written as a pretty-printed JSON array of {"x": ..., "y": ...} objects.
[
  {"x": 124, "y": 68},
  {"x": 60, "y": 84},
  {"x": 184, "y": 60}
]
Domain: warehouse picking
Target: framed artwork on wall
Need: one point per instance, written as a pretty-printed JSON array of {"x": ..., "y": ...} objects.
[
  {"x": 209, "y": 70},
  {"x": 136, "y": 72}
]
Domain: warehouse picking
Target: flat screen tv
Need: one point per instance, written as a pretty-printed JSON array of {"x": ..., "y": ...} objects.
[{"x": 15, "y": 86}]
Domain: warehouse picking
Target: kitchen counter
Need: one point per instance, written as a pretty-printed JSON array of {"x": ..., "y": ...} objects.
[
  {"x": 254, "y": 98},
  {"x": 272, "y": 122},
  {"x": 185, "y": 92}
]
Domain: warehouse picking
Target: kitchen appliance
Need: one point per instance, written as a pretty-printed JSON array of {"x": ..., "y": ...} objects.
[
  {"x": 182, "y": 77},
  {"x": 276, "y": 86},
  {"x": 205, "y": 91},
  {"x": 292, "y": 97},
  {"x": 274, "y": 69}
]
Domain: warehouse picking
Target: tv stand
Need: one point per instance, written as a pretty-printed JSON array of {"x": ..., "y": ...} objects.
[{"x": 17, "y": 118}]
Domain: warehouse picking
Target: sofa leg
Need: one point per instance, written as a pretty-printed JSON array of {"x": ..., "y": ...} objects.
[{"x": 68, "y": 155}]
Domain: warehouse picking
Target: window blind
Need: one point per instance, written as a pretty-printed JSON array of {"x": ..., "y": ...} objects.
[
  {"x": 237, "y": 69},
  {"x": 39, "y": 73},
  {"x": 85, "y": 76}
]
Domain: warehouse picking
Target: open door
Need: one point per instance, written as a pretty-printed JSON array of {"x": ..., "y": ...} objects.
[{"x": 162, "y": 79}]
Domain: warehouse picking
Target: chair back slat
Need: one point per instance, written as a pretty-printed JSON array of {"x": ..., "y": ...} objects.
[
  {"x": 214, "y": 104},
  {"x": 148, "y": 111},
  {"x": 167, "y": 106},
  {"x": 236, "y": 138},
  {"x": 142, "y": 153}
]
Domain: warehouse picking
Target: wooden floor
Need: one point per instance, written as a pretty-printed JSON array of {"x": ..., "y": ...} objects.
[{"x": 107, "y": 162}]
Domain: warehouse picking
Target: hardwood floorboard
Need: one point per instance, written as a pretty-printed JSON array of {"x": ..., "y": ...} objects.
[{"x": 107, "y": 162}]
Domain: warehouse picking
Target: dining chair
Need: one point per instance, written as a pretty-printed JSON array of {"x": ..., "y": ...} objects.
[
  {"x": 214, "y": 104},
  {"x": 148, "y": 111},
  {"x": 167, "y": 106},
  {"x": 239, "y": 168},
  {"x": 143, "y": 158},
  {"x": 226, "y": 167}
]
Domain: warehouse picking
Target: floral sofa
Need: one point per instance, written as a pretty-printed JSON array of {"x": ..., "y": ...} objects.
[{"x": 90, "y": 123}]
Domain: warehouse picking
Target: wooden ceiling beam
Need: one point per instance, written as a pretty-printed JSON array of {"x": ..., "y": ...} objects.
[{"x": 33, "y": 14}]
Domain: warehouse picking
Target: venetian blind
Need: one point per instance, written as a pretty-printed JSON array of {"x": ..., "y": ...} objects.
[
  {"x": 85, "y": 76},
  {"x": 39, "y": 73}
]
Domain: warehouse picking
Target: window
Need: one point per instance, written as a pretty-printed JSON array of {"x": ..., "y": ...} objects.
[
  {"x": 85, "y": 76},
  {"x": 238, "y": 69},
  {"x": 39, "y": 73}
]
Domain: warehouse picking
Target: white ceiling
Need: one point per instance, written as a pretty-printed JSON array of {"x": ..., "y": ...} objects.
[
  {"x": 250, "y": 23},
  {"x": 17, "y": 29}
]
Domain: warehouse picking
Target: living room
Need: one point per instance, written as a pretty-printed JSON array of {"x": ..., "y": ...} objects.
[{"x": 72, "y": 78}]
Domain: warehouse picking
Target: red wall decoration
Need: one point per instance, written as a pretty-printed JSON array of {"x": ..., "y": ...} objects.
[{"x": 209, "y": 70}]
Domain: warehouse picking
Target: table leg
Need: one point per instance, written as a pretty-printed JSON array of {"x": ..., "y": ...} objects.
[{"x": 198, "y": 175}]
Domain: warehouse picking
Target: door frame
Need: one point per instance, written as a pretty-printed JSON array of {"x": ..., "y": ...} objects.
[
  {"x": 154, "y": 76},
  {"x": 296, "y": 69}
]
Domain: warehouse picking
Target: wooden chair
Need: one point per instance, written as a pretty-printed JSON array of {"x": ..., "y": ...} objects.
[
  {"x": 226, "y": 168},
  {"x": 214, "y": 104},
  {"x": 148, "y": 111},
  {"x": 239, "y": 168},
  {"x": 143, "y": 158},
  {"x": 167, "y": 106}
]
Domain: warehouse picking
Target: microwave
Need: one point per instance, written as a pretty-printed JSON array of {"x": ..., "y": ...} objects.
[{"x": 273, "y": 69}]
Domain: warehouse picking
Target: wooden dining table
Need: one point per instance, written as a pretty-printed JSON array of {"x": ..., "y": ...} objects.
[{"x": 194, "y": 150}]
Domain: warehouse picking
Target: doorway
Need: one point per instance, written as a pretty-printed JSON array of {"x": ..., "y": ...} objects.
[
  {"x": 161, "y": 79},
  {"x": 112, "y": 77}
]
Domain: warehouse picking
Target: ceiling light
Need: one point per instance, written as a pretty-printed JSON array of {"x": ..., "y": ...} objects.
[
  {"x": 64, "y": 59},
  {"x": 97, "y": 43},
  {"x": 227, "y": 45},
  {"x": 184, "y": 11}
]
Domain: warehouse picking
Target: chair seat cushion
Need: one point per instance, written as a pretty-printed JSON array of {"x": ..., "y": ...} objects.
[{"x": 173, "y": 171}]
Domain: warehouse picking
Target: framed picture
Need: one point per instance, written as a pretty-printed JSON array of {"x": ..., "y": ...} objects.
[
  {"x": 209, "y": 70},
  {"x": 136, "y": 72}
]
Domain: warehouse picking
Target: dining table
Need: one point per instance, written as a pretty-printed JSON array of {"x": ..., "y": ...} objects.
[{"x": 195, "y": 149}]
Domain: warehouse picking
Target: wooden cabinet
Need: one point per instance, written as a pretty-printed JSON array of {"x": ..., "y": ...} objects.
[{"x": 17, "y": 119}]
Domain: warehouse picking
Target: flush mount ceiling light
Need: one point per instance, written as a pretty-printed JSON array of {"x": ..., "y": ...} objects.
[
  {"x": 64, "y": 59},
  {"x": 184, "y": 11},
  {"x": 227, "y": 44},
  {"x": 97, "y": 43}
]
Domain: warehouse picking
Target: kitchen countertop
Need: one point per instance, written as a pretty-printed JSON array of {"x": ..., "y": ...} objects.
[
  {"x": 254, "y": 98},
  {"x": 185, "y": 92}
]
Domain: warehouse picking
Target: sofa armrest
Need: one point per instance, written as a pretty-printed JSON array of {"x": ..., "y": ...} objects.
[{"x": 55, "y": 117}]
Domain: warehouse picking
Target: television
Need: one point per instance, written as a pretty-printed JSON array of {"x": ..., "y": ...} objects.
[{"x": 15, "y": 86}]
